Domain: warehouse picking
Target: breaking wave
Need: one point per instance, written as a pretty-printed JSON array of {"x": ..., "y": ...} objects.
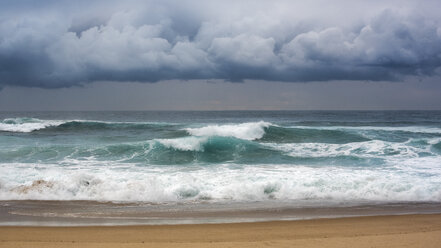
[
  {"x": 26, "y": 125},
  {"x": 184, "y": 150},
  {"x": 246, "y": 131},
  {"x": 224, "y": 183},
  {"x": 208, "y": 159},
  {"x": 252, "y": 131}
]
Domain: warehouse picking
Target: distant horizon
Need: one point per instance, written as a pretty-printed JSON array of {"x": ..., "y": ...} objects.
[{"x": 238, "y": 110}]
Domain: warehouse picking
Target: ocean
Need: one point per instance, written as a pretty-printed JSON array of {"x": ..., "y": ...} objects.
[{"x": 225, "y": 158}]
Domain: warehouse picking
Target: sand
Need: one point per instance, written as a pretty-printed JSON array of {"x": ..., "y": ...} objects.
[{"x": 378, "y": 231}]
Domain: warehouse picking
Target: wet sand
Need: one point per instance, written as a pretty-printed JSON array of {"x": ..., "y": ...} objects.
[
  {"x": 99, "y": 224},
  {"x": 89, "y": 213},
  {"x": 422, "y": 230}
]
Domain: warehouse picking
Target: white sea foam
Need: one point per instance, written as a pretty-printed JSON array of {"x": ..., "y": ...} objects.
[
  {"x": 246, "y": 131},
  {"x": 412, "y": 129},
  {"x": 372, "y": 148},
  {"x": 184, "y": 144},
  {"x": 114, "y": 182},
  {"x": 26, "y": 125},
  {"x": 434, "y": 141}
]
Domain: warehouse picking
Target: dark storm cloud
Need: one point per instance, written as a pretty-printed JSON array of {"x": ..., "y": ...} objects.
[{"x": 53, "y": 44}]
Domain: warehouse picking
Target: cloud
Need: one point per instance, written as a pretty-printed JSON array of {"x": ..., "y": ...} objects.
[{"x": 57, "y": 44}]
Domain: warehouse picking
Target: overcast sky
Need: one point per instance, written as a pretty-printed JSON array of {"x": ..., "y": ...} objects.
[{"x": 214, "y": 55}]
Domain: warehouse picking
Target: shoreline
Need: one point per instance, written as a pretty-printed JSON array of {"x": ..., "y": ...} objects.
[
  {"x": 421, "y": 230},
  {"x": 90, "y": 213}
]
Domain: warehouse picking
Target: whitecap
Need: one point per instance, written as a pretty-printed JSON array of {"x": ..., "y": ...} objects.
[
  {"x": 184, "y": 144},
  {"x": 246, "y": 131},
  {"x": 26, "y": 125}
]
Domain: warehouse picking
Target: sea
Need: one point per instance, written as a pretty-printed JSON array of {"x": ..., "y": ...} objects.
[{"x": 235, "y": 159}]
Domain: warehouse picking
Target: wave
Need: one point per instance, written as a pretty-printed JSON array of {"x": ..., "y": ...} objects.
[
  {"x": 214, "y": 149},
  {"x": 251, "y": 142},
  {"x": 408, "y": 129},
  {"x": 268, "y": 132},
  {"x": 369, "y": 149},
  {"x": 261, "y": 131},
  {"x": 246, "y": 131},
  {"x": 26, "y": 125},
  {"x": 85, "y": 125},
  {"x": 217, "y": 149},
  {"x": 225, "y": 183},
  {"x": 300, "y": 135},
  {"x": 365, "y": 123},
  {"x": 344, "y": 135},
  {"x": 175, "y": 151}
]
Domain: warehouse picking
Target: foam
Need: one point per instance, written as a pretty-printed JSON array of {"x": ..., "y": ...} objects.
[
  {"x": 372, "y": 148},
  {"x": 184, "y": 144},
  {"x": 223, "y": 183},
  {"x": 411, "y": 129},
  {"x": 246, "y": 131},
  {"x": 26, "y": 125}
]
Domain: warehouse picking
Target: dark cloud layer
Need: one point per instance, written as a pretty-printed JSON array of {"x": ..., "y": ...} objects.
[{"x": 54, "y": 44}]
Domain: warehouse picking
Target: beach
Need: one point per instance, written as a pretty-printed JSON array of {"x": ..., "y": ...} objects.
[{"x": 373, "y": 231}]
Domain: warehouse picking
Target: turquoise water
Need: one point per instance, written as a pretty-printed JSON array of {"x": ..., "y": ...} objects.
[{"x": 238, "y": 156}]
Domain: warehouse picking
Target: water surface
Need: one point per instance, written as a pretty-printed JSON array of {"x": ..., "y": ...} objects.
[{"x": 265, "y": 157}]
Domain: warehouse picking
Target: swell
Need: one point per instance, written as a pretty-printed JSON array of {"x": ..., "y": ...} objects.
[
  {"x": 271, "y": 133},
  {"x": 369, "y": 123},
  {"x": 303, "y": 135},
  {"x": 97, "y": 125},
  {"x": 218, "y": 149},
  {"x": 186, "y": 150},
  {"x": 260, "y": 131},
  {"x": 252, "y": 142},
  {"x": 343, "y": 135},
  {"x": 26, "y": 125}
]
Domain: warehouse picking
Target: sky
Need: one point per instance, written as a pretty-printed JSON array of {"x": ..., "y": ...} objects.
[{"x": 219, "y": 55}]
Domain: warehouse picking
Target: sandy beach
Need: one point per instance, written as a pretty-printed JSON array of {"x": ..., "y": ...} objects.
[{"x": 374, "y": 231}]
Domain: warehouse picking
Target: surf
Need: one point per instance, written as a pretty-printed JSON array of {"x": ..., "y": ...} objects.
[
  {"x": 27, "y": 125},
  {"x": 219, "y": 157}
]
